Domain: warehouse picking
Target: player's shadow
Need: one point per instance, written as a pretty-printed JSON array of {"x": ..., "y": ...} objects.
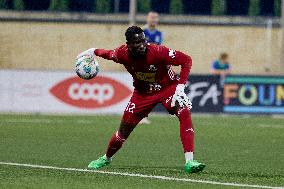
[{"x": 147, "y": 168}]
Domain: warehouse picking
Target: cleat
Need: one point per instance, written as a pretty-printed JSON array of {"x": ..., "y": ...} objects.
[
  {"x": 193, "y": 167},
  {"x": 99, "y": 163}
]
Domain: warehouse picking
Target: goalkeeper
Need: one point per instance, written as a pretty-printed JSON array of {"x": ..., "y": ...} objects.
[{"x": 155, "y": 82}]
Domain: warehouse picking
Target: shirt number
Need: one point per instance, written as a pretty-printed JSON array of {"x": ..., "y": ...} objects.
[{"x": 130, "y": 107}]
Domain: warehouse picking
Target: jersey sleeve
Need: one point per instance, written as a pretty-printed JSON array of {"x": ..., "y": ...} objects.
[
  {"x": 114, "y": 55},
  {"x": 177, "y": 58},
  {"x": 214, "y": 65},
  {"x": 228, "y": 67}
]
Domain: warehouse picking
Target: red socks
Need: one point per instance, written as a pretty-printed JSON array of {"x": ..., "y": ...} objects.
[
  {"x": 114, "y": 145},
  {"x": 186, "y": 130},
  {"x": 186, "y": 135}
]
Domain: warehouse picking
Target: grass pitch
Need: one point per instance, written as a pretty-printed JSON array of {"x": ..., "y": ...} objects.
[{"x": 245, "y": 150}]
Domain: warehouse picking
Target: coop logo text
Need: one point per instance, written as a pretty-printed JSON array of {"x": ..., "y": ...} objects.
[{"x": 96, "y": 93}]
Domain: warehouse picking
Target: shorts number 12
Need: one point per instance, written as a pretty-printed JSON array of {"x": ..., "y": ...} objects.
[{"x": 130, "y": 107}]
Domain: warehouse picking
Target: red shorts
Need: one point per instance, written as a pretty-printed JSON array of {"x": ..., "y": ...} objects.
[{"x": 141, "y": 104}]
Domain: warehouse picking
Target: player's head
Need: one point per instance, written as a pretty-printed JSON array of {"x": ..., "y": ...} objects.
[
  {"x": 152, "y": 19},
  {"x": 136, "y": 41},
  {"x": 224, "y": 57}
]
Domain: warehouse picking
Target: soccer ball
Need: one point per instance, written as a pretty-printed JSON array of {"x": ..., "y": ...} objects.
[{"x": 87, "y": 67}]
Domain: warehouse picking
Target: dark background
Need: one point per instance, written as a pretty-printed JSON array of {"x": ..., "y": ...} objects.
[{"x": 195, "y": 7}]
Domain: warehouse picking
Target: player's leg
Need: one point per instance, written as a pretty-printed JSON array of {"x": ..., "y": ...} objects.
[
  {"x": 186, "y": 127},
  {"x": 115, "y": 143},
  {"x": 186, "y": 131},
  {"x": 187, "y": 139},
  {"x": 137, "y": 108},
  {"x": 119, "y": 137}
]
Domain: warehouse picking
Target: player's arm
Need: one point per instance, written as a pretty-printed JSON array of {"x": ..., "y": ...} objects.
[
  {"x": 106, "y": 54},
  {"x": 185, "y": 62},
  {"x": 228, "y": 70},
  {"x": 103, "y": 53},
  {"x": 214, "y": 69},
  {"x": 224, "y": 72},
  {"x": 161, "y": 39},
  {"x": 178, "y": 58},
  {"x": 215, "y": 72}
]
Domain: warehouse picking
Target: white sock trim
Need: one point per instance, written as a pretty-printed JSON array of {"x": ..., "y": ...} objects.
[
  {"x": 188, "y": 156},
  {"x": 108, "y": 158}
]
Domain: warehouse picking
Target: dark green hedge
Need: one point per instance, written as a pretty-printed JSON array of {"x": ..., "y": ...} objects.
[{"x": 218, "y": 7}]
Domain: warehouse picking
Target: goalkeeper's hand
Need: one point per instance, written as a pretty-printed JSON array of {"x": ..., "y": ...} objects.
[
  {"x": 89, "y": 52},
  {"x": 181, "y": 97}
]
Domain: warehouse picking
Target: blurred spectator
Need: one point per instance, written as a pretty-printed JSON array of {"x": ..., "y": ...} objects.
[
  {"x": 152, "y": 34},
  {"x": 237, "y": 7},
  {"x": 197, "y": 7},
  {"x": 267, "y": 8},
  {"x": 161, "y": 6},
  {"x": 221, "y": 67}
]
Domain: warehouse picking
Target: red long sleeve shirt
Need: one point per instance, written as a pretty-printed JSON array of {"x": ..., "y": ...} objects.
[{"x": 153, "y": 68}]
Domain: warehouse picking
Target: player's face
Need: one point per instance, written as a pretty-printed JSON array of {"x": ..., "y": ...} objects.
[
  {"x": 224, "y": 60},
  {"x": 153, "y": 19},
  {"x": 137, "y": 45}
]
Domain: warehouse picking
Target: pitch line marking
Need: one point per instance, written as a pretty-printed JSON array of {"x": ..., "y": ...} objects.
[
  {"x": 139, "y": 175},
  {"x": 44, "y": 120}
]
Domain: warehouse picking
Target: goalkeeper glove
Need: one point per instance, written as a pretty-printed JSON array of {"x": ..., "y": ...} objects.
[
  {"x": 89, "y": 52},
  {"x": 181, "y": 97}
]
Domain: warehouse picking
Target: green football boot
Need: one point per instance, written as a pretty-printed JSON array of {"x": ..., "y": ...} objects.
[
  {"x": 99, "y": 163},
  {"x": 193, "y": 166}
]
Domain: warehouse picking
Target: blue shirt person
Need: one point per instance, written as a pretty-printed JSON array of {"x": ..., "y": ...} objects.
[
  {"x": 152, "y": 34},
  {"x": 221, "y": 67}
]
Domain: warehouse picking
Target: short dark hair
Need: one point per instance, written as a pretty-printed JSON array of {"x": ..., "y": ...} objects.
[
  {"x": 131, "y": 31},
  {"x": 223, "y": 55}
]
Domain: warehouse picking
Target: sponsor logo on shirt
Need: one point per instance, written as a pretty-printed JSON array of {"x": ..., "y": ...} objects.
[
  {"x": 172, "y": 53},
  {"x": 153, "y": 68},
  {"x": 150, "y": 77}
]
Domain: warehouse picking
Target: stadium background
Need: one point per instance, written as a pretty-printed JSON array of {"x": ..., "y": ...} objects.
[{"x": 39, "y": 41}]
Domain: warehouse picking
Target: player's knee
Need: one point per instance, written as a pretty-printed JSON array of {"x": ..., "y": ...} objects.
[
  {"x": 125, "y": 129},
  {"x": 182, "y": 111},
  {"x": 119, "y": 137}
]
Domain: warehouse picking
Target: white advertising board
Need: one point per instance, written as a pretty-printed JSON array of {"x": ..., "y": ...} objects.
[{"x": 63, "y": 92}]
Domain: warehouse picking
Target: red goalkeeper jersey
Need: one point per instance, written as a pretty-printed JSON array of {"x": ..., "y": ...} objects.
[{"x": 154, "y": 70}]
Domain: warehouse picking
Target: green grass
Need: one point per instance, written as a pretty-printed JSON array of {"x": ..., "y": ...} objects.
[{"x": 248, "y": 150}]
